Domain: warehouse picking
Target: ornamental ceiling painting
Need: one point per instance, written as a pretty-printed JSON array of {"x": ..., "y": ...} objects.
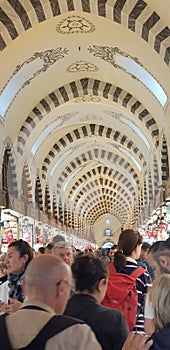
[{"x": 84, "y": 106}]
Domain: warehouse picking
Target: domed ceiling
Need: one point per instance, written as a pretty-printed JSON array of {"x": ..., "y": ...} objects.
[{"x": 85, "y": 100}]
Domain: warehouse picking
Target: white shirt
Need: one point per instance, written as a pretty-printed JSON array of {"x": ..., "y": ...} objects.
[{"x": 148, "y": 312}]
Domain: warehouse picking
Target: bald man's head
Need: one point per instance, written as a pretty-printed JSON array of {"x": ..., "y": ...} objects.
[{"x": 47, "y": 279}]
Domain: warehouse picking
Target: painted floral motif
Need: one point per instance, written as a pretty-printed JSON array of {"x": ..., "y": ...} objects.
[
  {"x": 75, "y": 24},
  {"x": 82, "y": 66}
]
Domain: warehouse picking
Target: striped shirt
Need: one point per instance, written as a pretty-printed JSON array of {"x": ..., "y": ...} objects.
[{"x": 143, "y": 282}]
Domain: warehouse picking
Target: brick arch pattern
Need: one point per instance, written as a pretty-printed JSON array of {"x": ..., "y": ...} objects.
[
  {"x": 106, "y": 194},
  {"x": 81, "y": 87},
  {"x": 78, "y": 161},
  {"x": 114, "y": 176},
  {"x": 26, "y": 185},
  {"x": 47, "y": 202},
  {"x": 9, "y": 177},
  {"x": 145, "y": 191},
  {"x": 107, "y": 171},
  {"x": 155, "y": 176},
  {"x": 92, "y": 188},
  {"x": 106, "y": 198},
  {"x": 103, "y": 207},
  {"x": 111, "y": 179},
  {"x": 91, "y": 131},
  {"x": 164, "y": 161},
  {"x": 38, "y": 194},
  {"x": 108, "y": 178},
  {"x": 124, "y": 190},
  {"x": 55, "y": 208},
  {"x": 60, "y": 211},
  {"x": 150, "y": 186},
  {"x": 104, "y": 187},
  {"x": 137, "y": 16}
]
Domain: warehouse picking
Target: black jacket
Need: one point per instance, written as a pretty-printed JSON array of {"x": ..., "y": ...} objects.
[
  {"x": 108, "y": 324},
  {"x": 161, "y": 339}
]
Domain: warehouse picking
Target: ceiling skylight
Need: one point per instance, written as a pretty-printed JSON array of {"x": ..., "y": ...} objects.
[
  {"x": 131, "y": 157},
  {"x": 49, "y": 129},
  {"x": 129, "y": 65},
  {"x": 13, "y": 87},
  {"x": 70, "y": 178},
  {"x": 137, "y": 131},
  {"x": 60, "y": 160}
]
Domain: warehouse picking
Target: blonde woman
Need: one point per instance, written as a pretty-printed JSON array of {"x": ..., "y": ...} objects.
[{"x": 160, "y": 299}]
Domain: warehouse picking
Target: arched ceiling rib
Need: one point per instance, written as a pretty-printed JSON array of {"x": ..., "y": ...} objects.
[
  {"x": 112, "y": 139},
  {"x": 108, "y": 91},
  {"x": 89, "y": 129},
  {"x": 137, "y": 16}
]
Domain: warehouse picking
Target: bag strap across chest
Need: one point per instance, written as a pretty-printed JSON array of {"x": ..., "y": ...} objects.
[{"x": 55, "y": 325}]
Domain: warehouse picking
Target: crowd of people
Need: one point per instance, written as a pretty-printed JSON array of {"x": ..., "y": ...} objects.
[{"x": 54, "y": 299}]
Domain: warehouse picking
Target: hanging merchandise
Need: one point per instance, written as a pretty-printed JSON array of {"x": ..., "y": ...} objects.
[
  {"x": 9, "y": 235},
  {"x": 163, "y": 226}
]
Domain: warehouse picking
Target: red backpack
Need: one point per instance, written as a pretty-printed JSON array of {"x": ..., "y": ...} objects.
[{"x": 121, "y": 293}]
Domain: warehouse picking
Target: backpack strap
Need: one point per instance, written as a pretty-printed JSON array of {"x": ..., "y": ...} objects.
[
  {"x": 5, "y": 343},
  {"x": 137, "y": 272},
  {"x": 54, "y": 326}
]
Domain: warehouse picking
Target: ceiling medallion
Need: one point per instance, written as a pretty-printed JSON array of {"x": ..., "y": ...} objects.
[
  {"x": 82, "y": 66},
  {"x": 75, "y": 24},
  {"x": 88, "y": 98}
]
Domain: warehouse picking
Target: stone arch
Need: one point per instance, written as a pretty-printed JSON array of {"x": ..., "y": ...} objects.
[
  {"x": 164, "y": 161},
  {"x": 98, "y": 88},
  {"x": 38, "y": 194},
  {"x": 140, "y": 18},
  {"x": 91, "y": 131},
  {"x": 26, "y": 185},
  {"x": 47, "y": 202},
  {"x": 9, "y": 178}
]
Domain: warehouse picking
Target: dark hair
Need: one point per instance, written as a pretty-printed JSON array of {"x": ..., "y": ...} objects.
[
  {"x": 49, "y": 246},
  {"x": 41, "y": 250},
  {"x": 23, "y": 248},
  {"x": 114, "y": 246},
  {"x": 159, "y": 247},
  {"x": 128, "y": 241},
  {"x": 145, "y": 246},
  {"x": 155, "y": 247},
  {"x": 88, "y": 270}
]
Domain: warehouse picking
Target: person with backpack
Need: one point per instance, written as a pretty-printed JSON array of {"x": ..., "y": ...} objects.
[
  {"x": 39, "y": 323},
  {"x": 109, "y": 325},
  {"x": 128, "y": 283}
]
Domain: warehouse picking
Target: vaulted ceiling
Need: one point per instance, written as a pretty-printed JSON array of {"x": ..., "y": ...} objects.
[{"x": 78, "y": 103}]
